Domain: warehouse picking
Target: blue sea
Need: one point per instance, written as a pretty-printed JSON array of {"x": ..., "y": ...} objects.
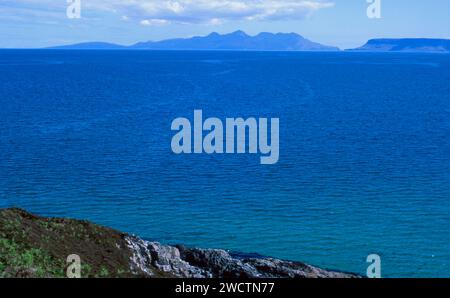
[{"x": 364, "y": 162}]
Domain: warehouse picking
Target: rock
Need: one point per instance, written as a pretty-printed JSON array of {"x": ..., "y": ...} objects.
[
  {"x": 218, "y": 262},
  {"x": 181, "y": 261}
]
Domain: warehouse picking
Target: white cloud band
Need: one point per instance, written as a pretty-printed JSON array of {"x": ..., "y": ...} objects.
[
  {"x": 162, "y": 12},
  {"x": 211, "y": 11}
]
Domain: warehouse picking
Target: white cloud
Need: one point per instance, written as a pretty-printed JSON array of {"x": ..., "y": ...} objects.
[
  {"x": 210, "y": 11},
  {"x": 163, "y": 12},
  {"x": 155, "y": 22}
]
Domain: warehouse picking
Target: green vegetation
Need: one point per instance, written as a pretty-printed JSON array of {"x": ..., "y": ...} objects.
[
  {"x": 19, "y": 261},
  {"x": 32, "y": 246}
]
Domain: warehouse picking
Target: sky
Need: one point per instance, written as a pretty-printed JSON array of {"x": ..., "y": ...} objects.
[{"x": 342, "y": 23}]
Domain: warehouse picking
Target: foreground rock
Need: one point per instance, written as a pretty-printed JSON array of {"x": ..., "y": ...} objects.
[{"x": 33, "y": 246}]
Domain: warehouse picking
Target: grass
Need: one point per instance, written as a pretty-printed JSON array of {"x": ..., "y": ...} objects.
[{"x": 18, "y": 260}]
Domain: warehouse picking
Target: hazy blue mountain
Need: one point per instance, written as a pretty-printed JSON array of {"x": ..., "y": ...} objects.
[
  {"x": 91, "y": 46},
  {"x": 238, "y": 40},
  {"x": 406, "y": 45}
]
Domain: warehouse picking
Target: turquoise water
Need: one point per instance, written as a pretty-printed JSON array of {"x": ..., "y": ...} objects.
[{"x": 364, "y": 151}]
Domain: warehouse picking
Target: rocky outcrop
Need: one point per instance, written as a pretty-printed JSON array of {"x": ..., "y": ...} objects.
[
  {"x": 33, "y": 246},
  {"x": 184, "y": 262}
]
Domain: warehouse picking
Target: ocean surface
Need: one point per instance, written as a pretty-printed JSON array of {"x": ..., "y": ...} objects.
[{"x": 364, "y": 151}]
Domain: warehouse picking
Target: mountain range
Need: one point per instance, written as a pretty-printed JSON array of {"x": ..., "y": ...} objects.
[
  {"x": 241, "y": 41},
  {"x": 238, "y": 40}
]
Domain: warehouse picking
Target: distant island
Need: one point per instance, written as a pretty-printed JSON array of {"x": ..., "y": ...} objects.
[
  {"x": 264, "y": 41},
  {"x": 406, "y": 45},
  {"x": 237, "y": 41}
]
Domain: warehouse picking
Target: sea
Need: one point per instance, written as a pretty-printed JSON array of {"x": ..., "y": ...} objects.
[{"x": 364, "y": 141}]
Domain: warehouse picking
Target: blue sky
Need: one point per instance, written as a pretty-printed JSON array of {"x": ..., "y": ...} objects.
[{"x": 343, "y": 23}]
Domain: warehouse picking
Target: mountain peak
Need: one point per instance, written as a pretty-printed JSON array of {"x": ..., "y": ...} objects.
[{"x": 239, "y": 33}]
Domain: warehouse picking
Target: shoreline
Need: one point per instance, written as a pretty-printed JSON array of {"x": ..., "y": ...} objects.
[{"x": 34, "y": 246}]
